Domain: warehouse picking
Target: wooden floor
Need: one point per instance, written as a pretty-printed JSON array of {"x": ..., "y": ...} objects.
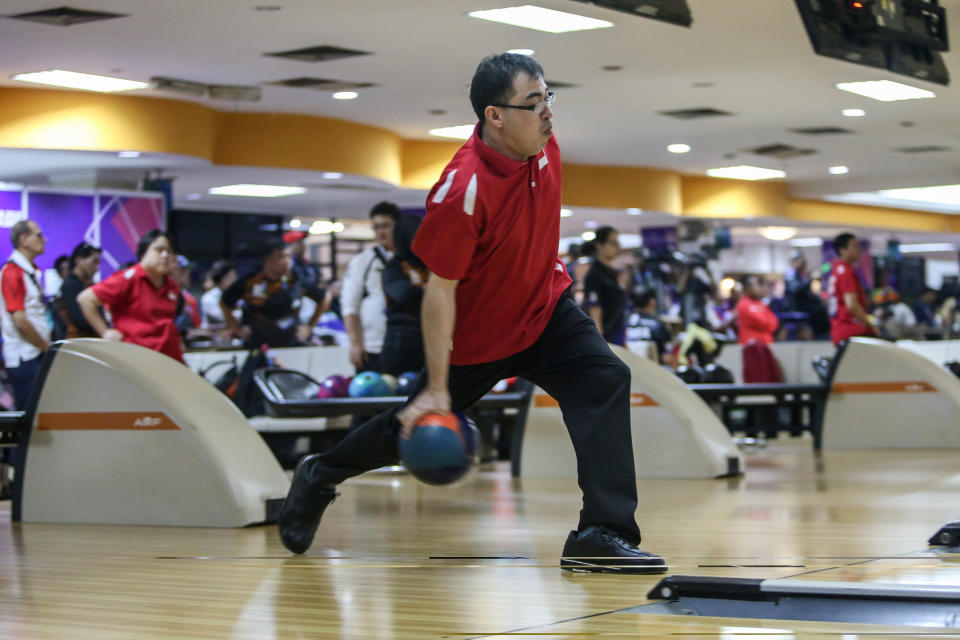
[{"x": 396, "y": 559}]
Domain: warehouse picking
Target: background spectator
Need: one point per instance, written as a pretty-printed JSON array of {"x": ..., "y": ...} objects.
[
  {"x": 403, "y": 281},
  {"x": 755, "y": 320},
  {"x": 603, "y": 296},
  {"x": 84, "y": 267},
  {"x": 222, "y": 274}
]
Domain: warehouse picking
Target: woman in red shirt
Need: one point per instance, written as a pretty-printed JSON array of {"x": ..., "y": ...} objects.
[
  {"x": 755, "y": 319},
  {"x": 142, "y": 299}
]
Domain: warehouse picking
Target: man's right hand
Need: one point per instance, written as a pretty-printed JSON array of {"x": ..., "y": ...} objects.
[
  {"x": 427, "y": 401},
  {"x": 113, "y": 334},
  {"x": 357, "y": 356}
]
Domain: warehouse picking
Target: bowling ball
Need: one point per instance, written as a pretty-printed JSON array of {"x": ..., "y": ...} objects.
[
  {"x": 325, "y": 392},
  {"x": 441, "y": 449},
  {"x": 691, "y": 374},
  {"x": 339, "y": 386},
  {"x": 368, "y": 384},
  {"x": 714, "y": 373},
  {"x": 405, "y": 383},
  {"x": 391, "y": 383}
]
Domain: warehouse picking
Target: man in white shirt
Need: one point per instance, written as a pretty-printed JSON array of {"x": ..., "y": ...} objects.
[
  {"x": 23, "y": 321},
  {"x": 362, "y": 301}
]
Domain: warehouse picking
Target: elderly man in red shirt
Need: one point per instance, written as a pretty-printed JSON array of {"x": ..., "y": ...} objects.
[
  {"x": 754, "y": 318},
  {"x": 495, "y": 306}
]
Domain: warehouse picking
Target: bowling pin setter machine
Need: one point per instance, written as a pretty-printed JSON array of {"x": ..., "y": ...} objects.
[{"x": 114, "y": 433}]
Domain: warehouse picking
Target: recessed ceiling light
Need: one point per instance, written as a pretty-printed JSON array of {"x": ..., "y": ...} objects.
[
  {"x": 332, "y": 175},
  {"x": 256, "y": 190},
  {"x": 946, "y": 194},
  {"x": 634, "y": 212},
  {"x": 591, "y": 224},
  {"x": 806, "y": 242},
  {"x": 678, "y": 148},
  {"x": 839, "y": 170},
  {"x": 193, "y": 196},
  {"x": 566, "y": 213},
  {"x": 533, "y": 17},
  {"x": 588, "y": 235},
  {"x": 84, "y": 81},
  {"x": 128, "y": 154},
  {"x": 885, "y": 90},
  {"x": 295, "y": 223},
  {"x": 933, "y": 247},
  {"x": 744, "y": 172},
  {"x": 778, "y": 234},
  {"x": 854, "y": 113},
  {"x": 461, "y": 132},
  {"x": 522, "y": 52},
  {"x": 345, "y": 95}
]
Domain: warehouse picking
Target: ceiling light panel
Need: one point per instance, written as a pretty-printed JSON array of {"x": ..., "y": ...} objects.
[
  {"x": 460, "y": 132},
  {"x": 83, "y": 81},
  {"x": 256, "y": 190},
  {"x": 885, "y": 90},
  {"x": 745, "y": 172},
  {"x": 532, "y": 17},
  {"x": 946, "y": 195}
]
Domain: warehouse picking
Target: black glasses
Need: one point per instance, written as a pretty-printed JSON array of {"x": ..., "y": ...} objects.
[{"x": 538, "y": 108}]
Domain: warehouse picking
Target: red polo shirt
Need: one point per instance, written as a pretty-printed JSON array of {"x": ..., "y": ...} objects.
[
  {"x": 144, "y": 314},
  {"x": 755, "y": 321},
  {"x": 493, "y": 224},
  {"x": 844, "y": 279}
]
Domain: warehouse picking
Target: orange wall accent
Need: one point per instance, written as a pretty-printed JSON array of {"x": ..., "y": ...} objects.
[
  {"x": 308, "y": 142},
  {"x": 859, "y": 215},
  {"x": 423, "y": 161},
  {"x": 52, "y": 119},
  {"x": 718, "y": 198},
  {"x": 621, "y": 187}
]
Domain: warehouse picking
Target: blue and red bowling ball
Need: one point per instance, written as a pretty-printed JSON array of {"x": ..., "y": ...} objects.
[
  {"x": 334, "y": 387},
  {"x": 405, "y": 383},
  {"x": 441, "y": 449},
  {"x": 368, "y": 384}
]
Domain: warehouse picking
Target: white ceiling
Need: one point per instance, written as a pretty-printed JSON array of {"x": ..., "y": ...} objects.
[{"x": 754, "y": 54}]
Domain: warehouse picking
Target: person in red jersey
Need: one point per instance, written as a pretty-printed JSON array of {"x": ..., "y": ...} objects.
[
  {"x": 142, "y": 299},
  {"x": 755, "y": 320},
  {"x": 496, "y": 305},
  {"x": 848, "y": 304}
]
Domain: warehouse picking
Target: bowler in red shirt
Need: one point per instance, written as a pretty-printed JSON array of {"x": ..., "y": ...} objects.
[
  {"x": 496, "y": 306},
  {"x": 848, "y": 304},
  {"x": 142, "y": 299}
]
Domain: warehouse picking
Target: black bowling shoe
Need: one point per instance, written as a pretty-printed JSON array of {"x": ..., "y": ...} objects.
[
  {"x": 600, "y": 549},
  {"x": 303, "y": 507}
]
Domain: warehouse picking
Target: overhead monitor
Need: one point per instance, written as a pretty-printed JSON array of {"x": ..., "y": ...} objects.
[{"x": 672, "y": 11}]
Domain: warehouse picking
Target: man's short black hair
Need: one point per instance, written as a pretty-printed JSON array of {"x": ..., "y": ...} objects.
[
  {"x": 603, "y": 233},
  {"x": 643, "y": 298},
  {"x": 148, "y": 239},
  {"x": 752, "y": 278},
  {"x": 493, "y": 80},
  {"x": 220, "y": 269},
  {"x": 385, "y": 208},
  {"x": 272, "y": 245},
  {"x": 842, "y": 241}
]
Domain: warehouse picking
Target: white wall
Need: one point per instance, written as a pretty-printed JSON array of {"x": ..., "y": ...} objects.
[{"x": 936, "y": 269}]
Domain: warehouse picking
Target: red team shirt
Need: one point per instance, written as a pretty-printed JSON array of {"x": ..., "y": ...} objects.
[
  {"x": 493, "y": 224},
  {"x": 142, "y": 313},
  {"x": 756, "y": 321},
  {"x": 844, "y": 279}
]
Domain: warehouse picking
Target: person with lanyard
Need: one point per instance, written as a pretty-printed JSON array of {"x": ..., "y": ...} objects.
[
  {"x": 84, "y": 267},
  {"x": 848, "y": 304},
  {"x": 271, "y": 302},
  {"x": 362, "y": 303},
  {"x": 496, "y": 305},
  {"x": 604, "y": 298},
  {"x": 142, "y": 299},
  {"x": 403, "y": 280},
  {"x": 25, "y": 325}
]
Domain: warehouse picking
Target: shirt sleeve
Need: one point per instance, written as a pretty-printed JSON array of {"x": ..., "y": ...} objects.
[
  {"x": 114, "y": 290},
  {"x": 351, "y": 293},
  {"x": 14, "y": 289},
  {"x": 448, "y": 235}
]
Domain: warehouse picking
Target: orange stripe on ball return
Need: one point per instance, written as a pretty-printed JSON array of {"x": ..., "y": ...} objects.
[
  {"x": 106, "y": 421},
  {"x": 917, "y": 386},
  {"x": 636, "y": 400}
]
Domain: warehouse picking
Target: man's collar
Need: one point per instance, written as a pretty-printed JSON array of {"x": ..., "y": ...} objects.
[
  {"x": 22, "y": 261},
  {"x": 491, "y": 156}
]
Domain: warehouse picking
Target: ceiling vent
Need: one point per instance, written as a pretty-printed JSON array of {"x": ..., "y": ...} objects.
[
  {"x": 322, "y": 53},
  {"x": 780, "y": 151},
  {"x": 557, "y": 84},
  {"x": 931, "y": 148},
  {"x": 66, "y": 16},
  {"x": 231, "y": 93},
  {"x": 821, "y": 131},
  {"x": 321, "y": 84},
  {"x": 695, "y": 114}
]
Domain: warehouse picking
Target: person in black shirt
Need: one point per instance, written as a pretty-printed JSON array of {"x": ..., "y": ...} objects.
[
  {"x": 271, "y": 300},
  {"x": 645, "y": 325},
  {"x": 603, "y": 297},
  {"x": 84, "y": 265},
  {"x": 403, "y": 280}
]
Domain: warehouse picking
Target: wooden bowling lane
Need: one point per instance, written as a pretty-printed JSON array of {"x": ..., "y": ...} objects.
[{"x": 397, "y": 559}]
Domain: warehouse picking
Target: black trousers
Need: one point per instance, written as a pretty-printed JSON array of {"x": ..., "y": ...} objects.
[{"x": 570, "y": 361}]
